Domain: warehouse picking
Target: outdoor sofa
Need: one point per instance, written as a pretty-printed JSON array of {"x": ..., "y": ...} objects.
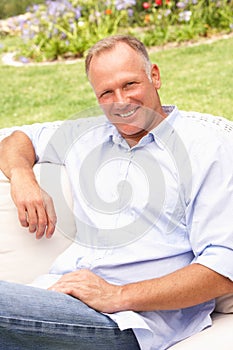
[{"x": 23, "y": 258}]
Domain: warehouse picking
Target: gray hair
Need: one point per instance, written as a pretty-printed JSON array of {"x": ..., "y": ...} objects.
[{"x": 110, "y": 42}]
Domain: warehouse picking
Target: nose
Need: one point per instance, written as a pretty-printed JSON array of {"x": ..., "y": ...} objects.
[{"x": 120, "y": 96}]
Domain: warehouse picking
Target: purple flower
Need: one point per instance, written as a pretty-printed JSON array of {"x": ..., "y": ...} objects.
[
  {"x": 77, "y": 12},
  {"x": 167, "y": 12},
  {"x": 21, "y": 21},
  {"x": 35, "y": 8},
  {"x": 124, "y": 4},
  {"x": 185, "y": 16},
  {"x": 24, "y": 60},
  {"x": 63, "y": 36},
  {"x": 130, "y": 12},
  {"x": 55, "y": 31},
  {"x": 68, "y": 4},
  {"x": 25, "y": 34},
  {"x": 180, "y": 4},
  {"x": 56, "y": 8}
]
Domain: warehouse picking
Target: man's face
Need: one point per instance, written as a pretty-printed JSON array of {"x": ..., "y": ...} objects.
[{"x": 125, "y": 92}]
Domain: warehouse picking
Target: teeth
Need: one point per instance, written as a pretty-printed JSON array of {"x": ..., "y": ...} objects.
[{"x": 125, "y": 115}]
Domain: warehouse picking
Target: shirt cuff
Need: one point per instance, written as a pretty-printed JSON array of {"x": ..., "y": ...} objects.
[{"x": 217, "y": 258}]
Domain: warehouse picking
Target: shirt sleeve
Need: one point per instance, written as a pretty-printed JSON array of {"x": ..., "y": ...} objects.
[
  {"x": 52, "y": 141},
  {"x": 210, "y": 211},
  {"x": 47, "y": 140}
]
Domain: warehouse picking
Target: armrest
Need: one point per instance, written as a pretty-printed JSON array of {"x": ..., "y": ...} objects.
[{"x": 22, "y": 257}]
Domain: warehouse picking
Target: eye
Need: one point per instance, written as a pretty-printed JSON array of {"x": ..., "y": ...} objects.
[
  {"x": 105, "y": 94},
  {"x": 129, "y": 85}
]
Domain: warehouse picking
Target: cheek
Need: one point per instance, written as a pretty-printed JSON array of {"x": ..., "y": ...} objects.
[
  {"x": 107, "y": 109},
  {"x": 151, "y": 98},
  {"x": 142, "y": 94}
]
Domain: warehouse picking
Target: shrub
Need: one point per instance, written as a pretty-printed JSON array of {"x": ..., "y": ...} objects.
[
  {"x": 178, "y": 21},
  {"x": 9, "y": 8},
  {"x": 66, "y": 28}
]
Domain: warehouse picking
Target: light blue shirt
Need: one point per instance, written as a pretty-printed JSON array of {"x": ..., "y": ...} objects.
[{"x": 145, "y": 211}]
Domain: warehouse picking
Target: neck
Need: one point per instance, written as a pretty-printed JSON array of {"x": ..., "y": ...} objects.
[{"x": 133, "y": 139}]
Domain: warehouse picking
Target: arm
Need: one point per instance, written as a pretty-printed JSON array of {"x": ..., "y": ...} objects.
[
  {"x": 35, "y": 207},
  {"x": 189, "y": 286}
]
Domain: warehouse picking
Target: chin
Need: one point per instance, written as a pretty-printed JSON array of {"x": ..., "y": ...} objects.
[{"x": 129, "y": 130}]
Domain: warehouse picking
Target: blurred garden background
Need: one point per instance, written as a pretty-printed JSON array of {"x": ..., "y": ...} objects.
[{"x": 190, "y": 40}]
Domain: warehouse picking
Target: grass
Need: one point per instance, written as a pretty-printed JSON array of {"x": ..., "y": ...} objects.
[
  {"x": 199, "y": 78},
  {"x": 194, "y": 78}
]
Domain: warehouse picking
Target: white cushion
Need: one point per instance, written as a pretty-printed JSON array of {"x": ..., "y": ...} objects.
[
  {"x": 22, "y": 257},
  {"x": 225, "y": 304},
  {"x": 219, "y": 336}
]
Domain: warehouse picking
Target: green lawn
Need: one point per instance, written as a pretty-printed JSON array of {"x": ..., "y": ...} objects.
[{"x": 194, "y": 78}]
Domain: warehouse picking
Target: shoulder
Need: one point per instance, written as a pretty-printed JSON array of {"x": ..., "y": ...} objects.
[
  {"x": 87, "y": 128},
  {"x": 70, "y": 129}
]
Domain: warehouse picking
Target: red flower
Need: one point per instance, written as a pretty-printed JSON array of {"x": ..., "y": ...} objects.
[
  {"x": 159, "y": 2},
  {"x": 146, "y": 5}
]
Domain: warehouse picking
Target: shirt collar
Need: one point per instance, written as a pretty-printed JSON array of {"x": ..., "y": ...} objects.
[
  {"x": 159, "y": 135},
  {"x": 165, "y": 129}
]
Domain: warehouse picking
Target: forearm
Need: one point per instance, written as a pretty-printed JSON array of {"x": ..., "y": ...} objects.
[
  {"x": 186, "y": 287},
  {"x": 17, "y": 155},
  {"x": 35, "y": 206}
]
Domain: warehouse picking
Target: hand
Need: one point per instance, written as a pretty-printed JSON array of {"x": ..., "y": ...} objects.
[
  {"x": 35, "y": 207},
  {"x": 90, "y": 289}
]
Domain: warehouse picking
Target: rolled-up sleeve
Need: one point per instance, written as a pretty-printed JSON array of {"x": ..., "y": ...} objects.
[{"x": 210, "y": 210}]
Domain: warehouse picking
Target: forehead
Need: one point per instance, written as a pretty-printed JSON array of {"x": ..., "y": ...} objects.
[{"x": 120, "y": 58}]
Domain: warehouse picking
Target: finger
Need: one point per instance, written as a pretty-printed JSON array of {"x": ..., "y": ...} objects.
[
  {"x": 69, "y": 289},
  {"x": 32, "y": 220},
  {"x": 42, "y": 222},
  {"x": 51, "y": 218},
  {"x": 28, "y": 218},
  {"x": 50, "y": 228},
  {"x": 22, "y": 215}
]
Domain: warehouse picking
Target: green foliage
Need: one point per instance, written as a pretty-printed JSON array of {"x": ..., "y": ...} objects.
[
  {"x": 10, "y": 8},
  {"x": 67, "y": 28},
  {"x": 186, "y": 20}
]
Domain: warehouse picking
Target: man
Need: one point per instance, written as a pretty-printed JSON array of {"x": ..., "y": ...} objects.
[{"x": 153, "y": 256}]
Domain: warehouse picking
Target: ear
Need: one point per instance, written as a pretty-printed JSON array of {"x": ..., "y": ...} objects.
[{"x": 155, "y": 76}]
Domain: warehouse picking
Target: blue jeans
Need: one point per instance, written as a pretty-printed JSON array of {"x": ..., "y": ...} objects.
[{"x": 33, "y": 318}]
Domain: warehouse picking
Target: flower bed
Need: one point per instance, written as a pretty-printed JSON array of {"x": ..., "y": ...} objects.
[{"x": 66, "y": 28}]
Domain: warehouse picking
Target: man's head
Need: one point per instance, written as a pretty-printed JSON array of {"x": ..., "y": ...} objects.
[
  {"x": 110, "y": 42},
  {"x": 125, "y": 84}
]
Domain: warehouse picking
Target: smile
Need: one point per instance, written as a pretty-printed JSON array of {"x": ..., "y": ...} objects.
[{"x": 128, "y": 114}]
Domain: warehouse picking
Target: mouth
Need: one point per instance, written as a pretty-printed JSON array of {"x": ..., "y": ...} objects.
[{"x": 127, "y": 114}]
